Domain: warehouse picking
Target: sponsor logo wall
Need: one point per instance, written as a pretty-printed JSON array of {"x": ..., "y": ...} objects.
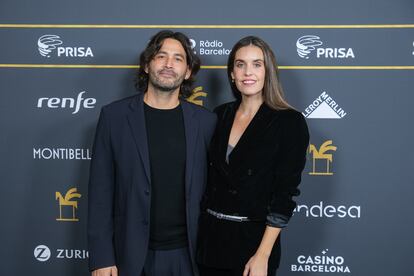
[{"x": 352, "y": 84}]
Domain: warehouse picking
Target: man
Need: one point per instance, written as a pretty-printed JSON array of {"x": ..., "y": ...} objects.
[{"x": 148, "y": 169}]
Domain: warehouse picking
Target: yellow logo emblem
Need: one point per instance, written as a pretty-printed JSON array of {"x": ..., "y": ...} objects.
[
  {"x": 322, "y": 154},
  {"x": 68, "y": 200},
  {"x": 197, "y": 92}
]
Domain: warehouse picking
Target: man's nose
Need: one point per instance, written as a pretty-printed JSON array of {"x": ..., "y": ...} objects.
[{"x": 169, "y": 62}]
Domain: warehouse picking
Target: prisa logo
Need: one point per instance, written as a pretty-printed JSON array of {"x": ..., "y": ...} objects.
[
  {"x": 71, "y": 103},
  {"x": 48, "y": 44},
  {"x": 307, "y": 44}
]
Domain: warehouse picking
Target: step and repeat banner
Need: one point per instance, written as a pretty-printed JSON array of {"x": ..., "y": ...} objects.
[{"x": 348, "y": 66}]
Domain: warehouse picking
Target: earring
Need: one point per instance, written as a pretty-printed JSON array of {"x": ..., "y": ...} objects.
[{"x": 232, "y": 80}]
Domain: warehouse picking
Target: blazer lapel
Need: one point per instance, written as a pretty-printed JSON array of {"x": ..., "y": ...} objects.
[
  {"x": 136, "y": 120},
  {"x": 256, "y": 127},
  {"x": 223, "y": 129},
  {"x": 191, "y": 134}
]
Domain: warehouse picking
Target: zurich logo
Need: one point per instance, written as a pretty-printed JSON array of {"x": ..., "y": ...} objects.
[
  {"x": 306, "y": 44},
  {"x": 42, "y": 253},
  {"x": 47, "y": 43}
]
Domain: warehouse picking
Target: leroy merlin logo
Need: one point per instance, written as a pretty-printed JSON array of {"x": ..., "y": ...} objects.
[{"x": 324, "y": 107}]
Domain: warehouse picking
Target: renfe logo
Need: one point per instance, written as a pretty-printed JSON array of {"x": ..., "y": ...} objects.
[
  {"x": 307, "y": 44},
  {"x": 67, "y": 102},
  {"x": 48, "y": 43}
]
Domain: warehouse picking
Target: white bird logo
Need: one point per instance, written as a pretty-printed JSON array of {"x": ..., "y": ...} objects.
[
  {"x": 306, "y": 44},
  {"x": 47, "y": 43}
]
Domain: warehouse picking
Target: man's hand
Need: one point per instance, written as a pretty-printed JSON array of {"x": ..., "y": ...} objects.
[{"x": 106, "y": 271}]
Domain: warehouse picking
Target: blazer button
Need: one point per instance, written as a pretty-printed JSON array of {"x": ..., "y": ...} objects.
[
  {"x": 211, "y": 164},
  {"x": 249, "y": 172},
  {"x": 147, "y": 192}
]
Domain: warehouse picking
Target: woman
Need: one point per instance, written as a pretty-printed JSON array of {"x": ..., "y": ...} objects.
[{"x": 257, "y": 155}]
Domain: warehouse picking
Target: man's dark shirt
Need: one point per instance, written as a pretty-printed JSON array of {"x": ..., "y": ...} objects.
[{"x": 166, "y": 143}]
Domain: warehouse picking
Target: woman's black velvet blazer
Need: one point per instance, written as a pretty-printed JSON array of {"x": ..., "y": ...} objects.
[{"x": 260, "y": 179}]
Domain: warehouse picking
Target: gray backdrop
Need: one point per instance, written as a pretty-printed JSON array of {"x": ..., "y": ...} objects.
[{"x": 347, "y": 65}]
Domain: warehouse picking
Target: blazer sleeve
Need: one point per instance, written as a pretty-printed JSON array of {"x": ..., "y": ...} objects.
[
  {"x": 288, "y": 171},
  {"x": 100, "y": 198}
]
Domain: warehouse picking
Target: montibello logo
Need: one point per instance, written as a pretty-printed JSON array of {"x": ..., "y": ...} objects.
[
  {"x": 328, "y": 211},
  {"x": 47, "y": 44},
  {"x": 307, "y": 44},
  {"x": 70, "y": 103}
]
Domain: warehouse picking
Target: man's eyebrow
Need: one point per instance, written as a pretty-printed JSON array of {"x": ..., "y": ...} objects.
[
  {"x": 180, "y": 55},
  {"x": 165, "y": 53},
  {"x": 161, "y": 52}
]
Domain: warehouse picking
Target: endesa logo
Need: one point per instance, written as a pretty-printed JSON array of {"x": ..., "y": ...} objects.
[
  {"x": 308, "y": 45},
  {"x": 49, "y": 45},
  {"x": 322, "y": 210},
  {"x": 324, "y": 262},
  {"x": 70, "y": 103}
]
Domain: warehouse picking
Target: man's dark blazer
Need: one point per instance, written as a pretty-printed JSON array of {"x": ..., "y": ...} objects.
[
  {"x": 260, "y": 179},
  {"x": 119, "y": 187}
]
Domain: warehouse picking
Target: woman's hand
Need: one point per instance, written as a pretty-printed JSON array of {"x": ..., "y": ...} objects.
[{"x": 256, "y": 266}]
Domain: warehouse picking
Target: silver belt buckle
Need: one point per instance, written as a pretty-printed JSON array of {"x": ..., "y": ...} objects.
[
  {"x": 238, "y": 219},
  {"x": 227, "y": 217}
]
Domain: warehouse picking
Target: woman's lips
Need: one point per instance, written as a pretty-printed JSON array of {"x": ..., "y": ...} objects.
[{"x": 248, "y": 82}]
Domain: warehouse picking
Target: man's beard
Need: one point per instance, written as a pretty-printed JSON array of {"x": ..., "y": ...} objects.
[{"x": 165, "y": 85}]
